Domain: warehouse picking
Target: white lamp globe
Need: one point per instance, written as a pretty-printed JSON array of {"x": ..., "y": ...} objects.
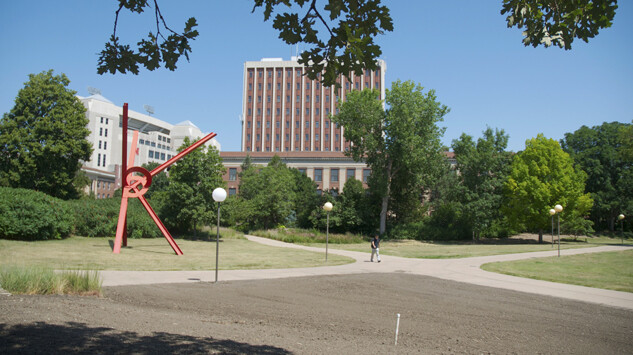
[
  {"x": 552, "y": 211},
  {"x": 558, "y": 208},
  {"x": 328, "y": 206},
  {"x": 219, "y": 194},
  {"x": 621, "y": 217}
]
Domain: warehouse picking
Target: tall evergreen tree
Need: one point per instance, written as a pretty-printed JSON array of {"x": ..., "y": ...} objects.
[{"x": 43, "y": 138}]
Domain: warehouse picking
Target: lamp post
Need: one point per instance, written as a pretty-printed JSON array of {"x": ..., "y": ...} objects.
[
  {"x": 327, "y": 207},
  {"x": 552, "y": 212},
  {"x": 621, "y": 219},
  {"x": 558, "y": 209},
  {"x": 219, "y": 195}
]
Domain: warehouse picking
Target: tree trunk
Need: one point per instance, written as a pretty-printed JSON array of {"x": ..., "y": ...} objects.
[
  {"x": 540, "y": 236},
  {"x": 385, "y": 201}
]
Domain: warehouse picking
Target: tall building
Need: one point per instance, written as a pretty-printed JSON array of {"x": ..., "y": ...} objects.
[
  {"x": 285, "y": 113},
  {"x": 158, "y": 142},
  {"x": 283, "y": 110}
]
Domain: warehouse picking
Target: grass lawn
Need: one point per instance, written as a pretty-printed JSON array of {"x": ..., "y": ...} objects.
[
  {"x": 156, "y": 254},
  {"x": 440, "y": 250},
  {"x": 609, "y": 270}
]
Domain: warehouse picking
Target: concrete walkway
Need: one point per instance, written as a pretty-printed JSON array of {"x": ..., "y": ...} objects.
[{"x": 466, "y": 270}]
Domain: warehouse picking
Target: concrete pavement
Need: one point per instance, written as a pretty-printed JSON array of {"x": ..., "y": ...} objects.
[{"x": 466, "y": 270}]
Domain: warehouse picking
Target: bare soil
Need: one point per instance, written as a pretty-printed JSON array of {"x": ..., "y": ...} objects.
[{"x": 349, "y": 314}]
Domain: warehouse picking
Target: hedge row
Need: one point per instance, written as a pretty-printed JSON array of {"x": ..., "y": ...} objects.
[{"x": 31, "y": 215}]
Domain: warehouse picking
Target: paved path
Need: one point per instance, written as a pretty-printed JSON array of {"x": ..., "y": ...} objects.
[{"x": 462, "y": 270}]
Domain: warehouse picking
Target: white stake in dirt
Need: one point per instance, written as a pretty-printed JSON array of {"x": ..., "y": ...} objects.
[{"x": 397, "y": 326}]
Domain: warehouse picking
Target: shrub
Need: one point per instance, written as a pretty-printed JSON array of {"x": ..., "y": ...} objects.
[
  {"x": 99, "y": 218},
  {"x": 32, "y": 215}
]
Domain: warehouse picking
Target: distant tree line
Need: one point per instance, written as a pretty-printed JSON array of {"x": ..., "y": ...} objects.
[{"x": 413, "y": 192}]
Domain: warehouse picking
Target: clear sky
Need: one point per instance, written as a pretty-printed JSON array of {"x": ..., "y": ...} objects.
[{"x": 462, "y": 49}]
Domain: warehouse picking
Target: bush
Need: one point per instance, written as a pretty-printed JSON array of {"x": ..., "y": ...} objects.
[
  {"x": 32, "y": 215},
  {"x": 99, "y": 218},
  {"x": 293, "y": 235}
]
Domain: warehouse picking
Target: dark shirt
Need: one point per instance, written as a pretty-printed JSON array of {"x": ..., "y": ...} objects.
[{"x": 375, "y": 243}]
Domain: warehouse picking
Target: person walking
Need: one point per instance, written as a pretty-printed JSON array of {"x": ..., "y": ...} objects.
[{"x": 375, "y": 245}]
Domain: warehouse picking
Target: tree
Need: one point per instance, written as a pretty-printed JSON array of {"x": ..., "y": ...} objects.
[
  {"x": 401, "y": 145},
  {"x": 598, "y": 151},
  {"x": 348, "y": 44},
  {"x": 542, "y": 176},
  {"x": 43, "y": 138},
  {"x": 187, "y": 203},
  {"x": 306, "y": 198},
  {"x": 267, "y": 196},
  {"x": 559, "y": 22},
  {"x": 483, "y": 168}
]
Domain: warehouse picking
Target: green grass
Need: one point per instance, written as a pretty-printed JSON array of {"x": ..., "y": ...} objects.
[
  {"x": 236, "y": 253},
  {"x": 447, "y": 250},
  {"x": 608, "y": 270},
  {"x": 39, "y": 280},
  {"x": 301, "y": 236}
]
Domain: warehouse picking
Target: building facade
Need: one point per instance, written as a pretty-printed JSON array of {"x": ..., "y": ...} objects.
[
  {"x": 287, "y": 114},
  {"x": 284, "y": 111},
  {"x": 158, "y": 142}
]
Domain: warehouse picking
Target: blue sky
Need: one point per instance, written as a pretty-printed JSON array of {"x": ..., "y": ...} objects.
[{"x": 461, "y": 49}]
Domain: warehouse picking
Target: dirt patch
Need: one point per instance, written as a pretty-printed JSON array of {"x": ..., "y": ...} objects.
[{"x": 348, "y": 314}]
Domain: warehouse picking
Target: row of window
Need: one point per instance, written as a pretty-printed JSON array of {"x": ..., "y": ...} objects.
[
  {"x": 316, "y": 137},
  {"x": 158, "y": 155},
  {"x": 106, "y": 185},
  {"x": 105, "y": 145},
  {"x": 287, "y": 149},
  {"x": 106, "y": 120},
  {"x": 317, "y": 111},
  {"x": 307, "y": 84},
  {"x": 318, "y": 174},
  {"x": 99, "y": 161},
  {"x": 154, "y": 145},
  {"x": 260, "y": 73}
]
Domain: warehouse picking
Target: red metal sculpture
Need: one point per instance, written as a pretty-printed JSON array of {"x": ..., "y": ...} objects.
[{"x": 136, "y": 181}]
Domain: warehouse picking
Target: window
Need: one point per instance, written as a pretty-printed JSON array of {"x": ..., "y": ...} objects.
[
  {"x": 259, "y": 112},
  {"x": 99, "y": 144},
  {"x": 288, "y": 98},
  {"x": 327, "y": 124},
  {"x": 277, "y": 124},
  {"x": 327, "y": 137},
  {"x": 298, "y": 86},
  {"x": 297, "y": 124},
  {"x": 250, "y": 86},
  {"x": 318, "y": 174},
  {"x": 287, "y": 86},
  {"x": 248, "y": 124},
  {"x": 298, "y": 112},
  {"x": 318, "y": 85},
  {"x": 232, "y": 191},
  {"x": 105, "y": 145},
  {"x": 307, "y": 86},
  {"x": 268, "y": 98},
  {"x": 250, "y": 98},
  {"x": 142, "y": 141},
  {"x": 267, "y": 124},
  {"x": 307, "y": 124},
  {"x": 351, "y": 173},
  {"x": 269, "y": 87},
  {"x": 232, "y": 174},
  {"x": 277, "y": 136},
  {"x": 316, "y": 111},
  {"x": 287, "y": 124},
  {"x": 258, "y": 136},
  {"x": 287, "y": 112},
  {"x": 327, "y": 98},
  {"x": 287, "y": 136},
  {"x": 316, "y": 137},
  {"x": 162, "y": 156},
  {"x": 307, "y": 137},
  {"x": 298, "y": 98},
  {"x": 259, "y": 98},
  {"x": 168, "y": 140},
  {"x": 327, "y": 111},
  {"x": 307, "y": 111},
  {"x": 336, "y": 138},
  {"x": 316, "y": 124},
  {"x": 151, "y": 154},
  {"x": 153, "y": 144},
  {"x": 278, "y": 111},
  {"x": 307, "y": 98},
  {"x": 259, "y": 124},
  {"x": 302, "y": 170},
  {"x": 98, "y": 159},
  {"x": 297, "y": 136},
  {"x": 259, "y": 74},
  {"x": 366, "y": 173},
  {"x": 278, "y": 98},
  {"x": 317, "y": 98},
  {"x": 259, "y": 86},
  {"x": 250, "y": 74},
  {"x": 248, "y": 137},
  {"x": 100, "y": 132},
  {"x": 267, "y": 137},
  {"x": 101, "y": 122}
]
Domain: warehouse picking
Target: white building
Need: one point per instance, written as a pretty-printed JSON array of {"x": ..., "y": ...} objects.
[{"x": 158, "y": 141}]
